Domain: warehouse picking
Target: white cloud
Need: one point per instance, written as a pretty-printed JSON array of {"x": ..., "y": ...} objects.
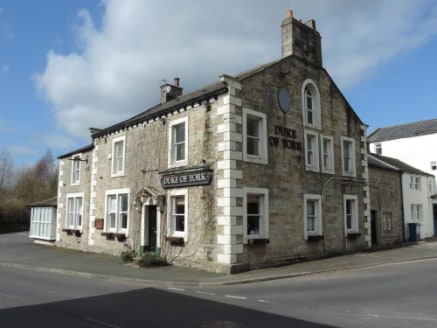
[{"x": 119, "y": 66}]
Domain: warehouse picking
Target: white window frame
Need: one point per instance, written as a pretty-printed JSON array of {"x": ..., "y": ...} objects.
[
  {"x": 76, "y": 221},
  {"x": 318, "y": 224},
  {"x": 172, "y": 162},
  {"x": 378, "y": 149},
  {"x": 330, "y": 168},
  {"x": 171, "y": 222},
  {"x": 316, "y": 111},
  {"x": 354, "y": 222},
  {"x": 387, "y": 221},
  {"x": 312, "y": 162},
  {"x": 416, "y": 212},
  {"x": 118, "y": 227},
  {"x": 351, "y": 171},
  {"x": 263, "y": 195},
  {"x": 75, "y": 169},
  {"x": 262, "y": 157},
  {"x": 117, "y": 171}
]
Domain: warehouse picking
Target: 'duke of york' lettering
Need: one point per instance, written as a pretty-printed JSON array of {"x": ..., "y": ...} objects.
[
  {"x": 285, "y": 132},
  {"x": 197, "y": 177}
]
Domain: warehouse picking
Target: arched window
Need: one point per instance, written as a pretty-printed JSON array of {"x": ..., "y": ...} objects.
[{"x": 311, "y": 104}]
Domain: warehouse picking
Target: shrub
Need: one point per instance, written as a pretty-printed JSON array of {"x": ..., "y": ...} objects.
[
  {"x": 151, "y": 259},
  {"x": 128, "y": 255}
]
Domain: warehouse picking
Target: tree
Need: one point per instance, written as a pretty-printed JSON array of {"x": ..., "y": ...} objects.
[
  {"x": 6, "y": 171},
  {"x": 38, "y": 182}
]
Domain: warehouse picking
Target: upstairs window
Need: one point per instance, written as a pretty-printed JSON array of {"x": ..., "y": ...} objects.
[
  {"x": 254, "y": 136},
  {"x": 327, "y": 154},
  {"x": 118, "y": 156},
  {"x": 348, "y": 158},
  {"x": 311, "y": 105},
  {"x": 378, "y": 149},
  {"x": 415, "y": 182},
  {"x": 178, "y": 142},
  {"x": 75, "y": 170},
  {"x": 311, "y": 151}
]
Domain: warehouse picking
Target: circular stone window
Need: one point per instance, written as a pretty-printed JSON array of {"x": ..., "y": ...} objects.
[{"x": 284, "y": 99}]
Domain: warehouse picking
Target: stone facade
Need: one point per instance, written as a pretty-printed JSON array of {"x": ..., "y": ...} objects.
[
  {"x": 259, "y": 169},
  {"x": 387, "y": 219}
]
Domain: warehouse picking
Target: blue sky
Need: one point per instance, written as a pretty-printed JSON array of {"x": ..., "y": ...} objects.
[{"x": 69, "y": 65}]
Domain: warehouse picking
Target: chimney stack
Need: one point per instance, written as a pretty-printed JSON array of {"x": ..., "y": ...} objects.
[
  {"x": 301, "y": 39},
  {"x": 170, "y": 92}
]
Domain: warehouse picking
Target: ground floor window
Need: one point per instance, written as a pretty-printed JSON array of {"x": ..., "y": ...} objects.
[
  {"x": 74, "y": 211},
  {"x": 117, "y": 210},
  {"x": 178, "y": 213},
  {"x": 416, "y": 212},
  {"x": 255, "y": 210},
  {"x": 312, "y": 215},
  {"x": 387, "y": 221},
  {"x": 351, "y": 213}
]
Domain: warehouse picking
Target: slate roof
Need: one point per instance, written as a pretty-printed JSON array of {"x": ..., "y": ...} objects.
[
  {"x": 393, "y": 164},
  {"x": 404, "y": 131}
]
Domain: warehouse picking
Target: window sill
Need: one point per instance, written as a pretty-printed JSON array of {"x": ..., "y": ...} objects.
[
  {"x": 175, "y": 241},
  {"x": 353, "y": 235},
  {"x": 315, "y": 237},
  {"x": 258, "y": 241},
  {"x": 112, "y": 235},
  {"x": 75, "y": 232}
]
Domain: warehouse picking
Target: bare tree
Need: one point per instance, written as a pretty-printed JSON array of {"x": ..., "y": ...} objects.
[
  {"x": 6, "y": 171},
  {"x": 38, "y": 182}
]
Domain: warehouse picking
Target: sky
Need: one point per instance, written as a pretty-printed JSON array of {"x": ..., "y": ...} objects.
[{"x": 69, "y": 65}]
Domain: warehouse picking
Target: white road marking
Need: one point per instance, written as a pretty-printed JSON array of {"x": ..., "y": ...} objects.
[
  {"x": 236, "y": 297},
  {"x": 205, "y": 293},
  {"x": 176, "y": 289}
]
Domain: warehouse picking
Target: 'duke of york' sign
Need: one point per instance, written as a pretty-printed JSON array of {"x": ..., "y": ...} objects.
[{"x": 186, "y": 179}]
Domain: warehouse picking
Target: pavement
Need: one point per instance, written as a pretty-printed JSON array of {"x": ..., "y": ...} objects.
[{"x": 17, "y": 250}]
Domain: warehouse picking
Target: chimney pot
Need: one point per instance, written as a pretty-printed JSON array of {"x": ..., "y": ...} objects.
[{"x": 289, "y": 13}]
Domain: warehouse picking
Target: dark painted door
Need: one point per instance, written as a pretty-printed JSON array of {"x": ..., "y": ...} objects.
[
  {"x": 373, "y": 227},
  {"x": 152, "y": 228},
  {"x": 434, "y": 206}
]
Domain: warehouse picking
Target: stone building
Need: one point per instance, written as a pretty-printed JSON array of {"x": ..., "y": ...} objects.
[
  {"x": 262, "y": 168},
  {"x": 417, "y": 191},
  {"x": 386, "y": 202}
]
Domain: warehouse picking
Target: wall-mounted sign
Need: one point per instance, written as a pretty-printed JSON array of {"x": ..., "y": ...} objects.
[
  {"x": 186, "y": 179},
  {"x": 286, "y": 138}
]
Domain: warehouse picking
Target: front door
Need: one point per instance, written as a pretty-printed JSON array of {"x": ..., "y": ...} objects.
[
  {"x": 374, "y": 227},
  {"x": 434, "y": 206},
  {"x": 152, "y": 228}
]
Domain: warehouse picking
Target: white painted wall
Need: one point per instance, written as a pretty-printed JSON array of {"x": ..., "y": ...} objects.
[
  {"x": 418, "y": 151},
  {"x": 423, "y": 197}
]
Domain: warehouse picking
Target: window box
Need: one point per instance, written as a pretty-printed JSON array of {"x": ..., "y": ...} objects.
[
  {"x": 315, "y": 237},
  {"x": 113, "y": 235},
  {"x": 175, "y": 241},
  {"x": 353, "y": 235},
  {"x": 258, "y": 241},
  {"x": 75, "y": 232}
]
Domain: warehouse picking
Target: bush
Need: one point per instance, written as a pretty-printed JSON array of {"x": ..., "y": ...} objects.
[
  {"x": 128, "y": 255},
  {"x": 151, "y": 259}
]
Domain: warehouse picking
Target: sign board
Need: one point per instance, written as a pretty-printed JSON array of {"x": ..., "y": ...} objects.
[{"x": 186, "y": 179}]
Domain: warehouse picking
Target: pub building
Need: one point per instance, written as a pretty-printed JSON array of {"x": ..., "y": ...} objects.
[{"x": 263, "y": 168}]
